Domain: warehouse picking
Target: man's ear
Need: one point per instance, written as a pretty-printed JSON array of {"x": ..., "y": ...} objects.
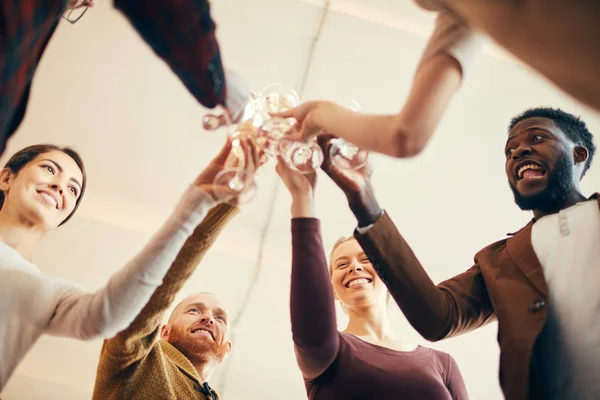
[
  {"x": 164, "y": 333},
  {"x": 229, "y": 346},
  {"x": 580, "y": 154}
]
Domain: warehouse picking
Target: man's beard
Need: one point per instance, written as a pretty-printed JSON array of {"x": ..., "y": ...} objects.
[
  {"x": 197, "y": 350},
  {"x": 556, "y": 192}
]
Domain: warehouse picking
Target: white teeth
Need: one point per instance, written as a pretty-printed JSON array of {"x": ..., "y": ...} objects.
[
  {"x": 50, "y": 199},
  {"x": 526, "y": 167},
  {"x": 358, "y": 281},
  {"x": 203, "y": 331}
]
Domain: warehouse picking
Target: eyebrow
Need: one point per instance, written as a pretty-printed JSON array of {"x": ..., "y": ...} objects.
[
  {"x": 61, "y": 170},
  {"x": 221, "y": 312},
  {"x": 217, "y": 310},
  {"x": 537, "y": 128}
]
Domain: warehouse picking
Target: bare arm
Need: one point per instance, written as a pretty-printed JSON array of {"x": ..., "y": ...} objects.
[{"x": 406, "y": 133}]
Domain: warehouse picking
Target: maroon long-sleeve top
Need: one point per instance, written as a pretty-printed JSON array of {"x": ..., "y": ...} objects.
[{"x": 353, "y": 368}]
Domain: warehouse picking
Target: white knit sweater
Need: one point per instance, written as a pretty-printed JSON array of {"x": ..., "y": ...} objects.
[{"x": 32, "y": 304}]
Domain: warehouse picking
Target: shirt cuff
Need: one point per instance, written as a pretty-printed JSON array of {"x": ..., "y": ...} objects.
[{"x": 364, "y": 229}]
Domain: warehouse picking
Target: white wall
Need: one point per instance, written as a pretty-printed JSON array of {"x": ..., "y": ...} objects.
[{"x": 102, "y": 90}]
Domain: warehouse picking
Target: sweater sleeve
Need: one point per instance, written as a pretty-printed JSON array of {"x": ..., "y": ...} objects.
[
  {"x": 454, "y": 381},
  {"x": 451, "y": 36},
  {"x": 121, "y": 354},
  {"x": 314, "y": 329},
  {"x": 112, "y": 308}
]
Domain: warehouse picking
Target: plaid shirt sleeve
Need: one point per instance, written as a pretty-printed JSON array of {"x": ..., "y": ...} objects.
[
  {"x": 182, "y": 33},
  {"x": 26, "y": 26}
]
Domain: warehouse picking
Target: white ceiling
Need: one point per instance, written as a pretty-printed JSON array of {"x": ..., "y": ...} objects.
[{"x": 101, "y": 89}]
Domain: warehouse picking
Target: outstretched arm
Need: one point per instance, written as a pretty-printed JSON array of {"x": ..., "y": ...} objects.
[
  {"x": 182, "y": 33},
  {"x": 455, "y": 306},
  {"x": 104, "y": 313},
  {"x": 314, "y": 328},
  {"x": 405, "y": 134}
]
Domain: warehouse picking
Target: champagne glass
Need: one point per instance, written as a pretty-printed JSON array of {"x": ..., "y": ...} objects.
[
  {"x": 214, "y": 121},
  {"x": 234, "y": 180},
  {"x": 270, "y": 130},
  {"x": 342, "y": 153},
  {"x": 300, "y": 156}
]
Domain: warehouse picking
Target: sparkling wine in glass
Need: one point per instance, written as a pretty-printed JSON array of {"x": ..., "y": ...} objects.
[
  {"x": 274, "y": 98},
  {"x": 233, "y": 180},
  {"x": 300, "y": 156},
  {"x": 342, "y": 153}
]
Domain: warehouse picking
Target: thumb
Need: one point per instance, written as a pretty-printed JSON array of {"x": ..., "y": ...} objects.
[{"x": 291, "y": 113}]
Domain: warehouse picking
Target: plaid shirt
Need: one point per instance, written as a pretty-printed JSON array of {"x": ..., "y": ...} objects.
[{"x": 181, "y": 32}]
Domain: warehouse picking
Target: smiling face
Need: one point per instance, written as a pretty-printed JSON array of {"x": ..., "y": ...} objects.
[
  {"x": 355, "y": 281},
  {"x": 543, "y": 166},
  {"x": 44, "y": 192},
  {"x": 199, "y": 328}
]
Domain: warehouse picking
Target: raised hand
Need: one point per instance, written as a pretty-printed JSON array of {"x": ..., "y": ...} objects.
[
  {"x": 300, "y": 186},
  {"x": 244, "y": 155},
  {"x": 307, "y": 127},
  {"x": 356, "y": 185}
]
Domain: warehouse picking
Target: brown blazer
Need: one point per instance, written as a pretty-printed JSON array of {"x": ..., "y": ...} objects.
[
  {"x": 135, "y": 365},
  {"x": 558, "y": 38},
  {"x": 506, "y": 283}
]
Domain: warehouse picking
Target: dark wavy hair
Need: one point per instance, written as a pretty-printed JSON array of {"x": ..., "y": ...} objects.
[{"x": 23, "y": 157}]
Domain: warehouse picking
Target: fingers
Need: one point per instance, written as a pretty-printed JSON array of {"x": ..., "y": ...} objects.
[
  {"x": 250, "y": 156},
  {"x": 282, "y": 168},
  {"x": 255, "y": 154},
  {"x": 325, "y": 142},
  {"x": 312, "y": 179},
  {"x": 224, "y": 152},
  {"x": 291, "y": 113}
]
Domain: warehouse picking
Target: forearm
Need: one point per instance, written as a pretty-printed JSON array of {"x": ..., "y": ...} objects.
[
  {"x": 371, "y": 132},
  {"x": 364, "y": 206},
  {"x": 455, "y": 306},
  {"x": 302, "y": 207},
  {"x": 427, "y": 308},
  {"x": 406, "y": 133},
  {"x": 132, "y": 343},
  {"x": 113, "y": 307}
]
